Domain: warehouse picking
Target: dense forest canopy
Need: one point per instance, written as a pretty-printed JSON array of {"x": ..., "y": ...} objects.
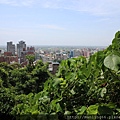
[{"x": 80, "y": 87}]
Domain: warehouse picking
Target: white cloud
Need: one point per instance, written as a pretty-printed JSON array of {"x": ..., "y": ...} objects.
[
  {"x": 12, "y": 2},
  {"x": 94, "y": 7},
  {"x": 18, "y": 2},
  {"x": 101, "y": 7},
  {"x": 55, "y": 27},
  {"x": 104, "y": 20}
]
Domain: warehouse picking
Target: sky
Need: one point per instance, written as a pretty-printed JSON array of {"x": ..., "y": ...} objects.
[{"x": 59, "y": 22}]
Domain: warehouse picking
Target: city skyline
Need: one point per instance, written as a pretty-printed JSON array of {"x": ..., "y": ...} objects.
[{"x": 59, "y": 22}]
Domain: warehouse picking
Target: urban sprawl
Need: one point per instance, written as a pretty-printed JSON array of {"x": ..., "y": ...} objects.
[{"x": 51, "y": 54}]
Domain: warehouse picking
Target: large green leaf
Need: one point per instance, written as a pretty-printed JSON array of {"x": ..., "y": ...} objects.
[
  {"x": 82, "y": 110},
  {"x": 59, "y": 109},
  {"x": 112, "y": 62},
  {"x": 111, "y": 105},
  {"x": 92, "y": 110}
]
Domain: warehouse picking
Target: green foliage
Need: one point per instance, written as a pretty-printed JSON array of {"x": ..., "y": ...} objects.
[
  {"x": 103, "y": 91},
  {"x": 80, "y": 87},
  {"x": 113, "y": 62},
  {"x": 6, "y": 99},
  {"x": 16, "y": 83},
  {"x": 92, "y": 110},
  {"x": 30, "y": 58}
]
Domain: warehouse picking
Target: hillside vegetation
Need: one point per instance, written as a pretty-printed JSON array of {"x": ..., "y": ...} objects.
[{"x": 81, "y": 87}]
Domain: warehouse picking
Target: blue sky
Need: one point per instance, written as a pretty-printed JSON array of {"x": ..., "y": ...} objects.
[{"x": 59, "y": 22}]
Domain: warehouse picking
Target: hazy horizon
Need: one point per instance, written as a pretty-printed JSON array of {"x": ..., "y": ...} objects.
[
  {"x": 59, "y": 22},
  {"x": 58, "y": 46}
]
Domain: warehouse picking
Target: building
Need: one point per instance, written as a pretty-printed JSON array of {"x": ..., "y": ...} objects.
[
  {"x": 8, "y": 59},
  {"x": 0, "y": 52},
  {"x": 21, "y": 48},
  {"x": 53, "y": 67},
  {"x": 71, "y": 54},
  {"x": 23, "y": 51},
  {"x": 77, "y": 53},
  {"x": 30, "y": 50},
  {"x": 7, "y": 53},
  {"x": 58, "y": 56},
  {"x": 11, "y": 48}
]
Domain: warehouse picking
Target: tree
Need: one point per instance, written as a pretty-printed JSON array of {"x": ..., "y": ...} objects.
[{"x": 31, "y": 59}]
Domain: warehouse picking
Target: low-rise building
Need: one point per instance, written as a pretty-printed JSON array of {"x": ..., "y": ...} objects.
[{"x": 53, "y": 67}]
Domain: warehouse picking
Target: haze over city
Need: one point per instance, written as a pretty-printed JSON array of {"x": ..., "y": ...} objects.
[{"x": 59, "y": 22}]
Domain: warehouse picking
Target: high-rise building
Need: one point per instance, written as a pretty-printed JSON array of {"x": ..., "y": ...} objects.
[
  {"x": 21, "y": 48},
  {"x": 11, "y": 47},
  {"x": 71, "y": 53}
]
